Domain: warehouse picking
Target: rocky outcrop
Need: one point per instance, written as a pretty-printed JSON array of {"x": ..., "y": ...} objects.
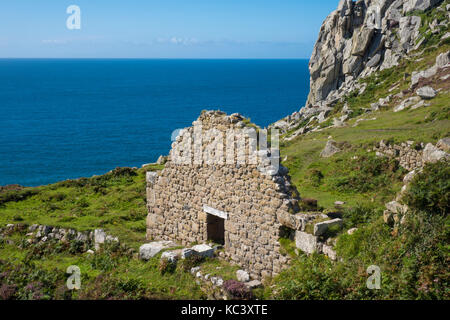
[
  {"x": 412, "y": 5},
  {"x": 442, "y": 61},
  {"x": 359, "y": 38},
  {"x": 356, "y": 40},
  {"x": 43, "y": 233},
  {"x": 433, "y": 154},
  {"x": 444, "y": 144},
  {"x": 426, "y": 92},
  {"x": 330, "y": 149}
]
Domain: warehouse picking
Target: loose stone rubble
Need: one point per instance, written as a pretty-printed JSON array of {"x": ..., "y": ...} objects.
[{"x": 42, "y": 233}]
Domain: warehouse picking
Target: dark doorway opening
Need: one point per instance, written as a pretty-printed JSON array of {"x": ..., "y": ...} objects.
[{"x": 215, "y": 229}]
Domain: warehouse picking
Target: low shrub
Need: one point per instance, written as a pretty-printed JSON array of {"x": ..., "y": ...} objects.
[
  {"x": 191, "y": 262},
  {"x": 166, "y": 266},
  {"x": 77, "y": 247},
  {"x": 308, "y": 204},
  {"x": 430, "y": 190},
  {"x": 17, "y": 195},
  {"x": 237, "y": 290},
  {"x": 7, "y": 291},
  {"x": 314, "y": 177},
  {"x": 123, "y": 172},
  {"x": 103, "y": 262},
  {"x": 359, "y": 214},
  {"x": 367, "y": 173},
  {"x": 107, "y": 287},
  {"x": 308, "y": 278}
]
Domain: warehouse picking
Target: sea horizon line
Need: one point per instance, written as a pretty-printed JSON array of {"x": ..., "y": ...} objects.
[{"x": 87, "y": 58}]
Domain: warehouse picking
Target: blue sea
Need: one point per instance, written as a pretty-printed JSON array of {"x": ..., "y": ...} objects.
[{"x": 65, "y": 119}]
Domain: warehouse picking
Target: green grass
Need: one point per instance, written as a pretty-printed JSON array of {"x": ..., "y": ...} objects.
[
  {"x": 413, "y": 257},
  {"x": 428, "y": 17},
  {"x": 114, "y": 201},
  {"x": 413, "y": 264},
  {"x": 216, "y": 267},
  {"x": 106, "y": 268},
  {"x": 426, "y": 124}
]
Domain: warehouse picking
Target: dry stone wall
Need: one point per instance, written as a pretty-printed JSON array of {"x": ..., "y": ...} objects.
[
  {"x": 186, "y": 199},
  {"x": 413, "y": 156},
  {"x": 44, "y": 233},
  {"x": 408, "y": 153}
]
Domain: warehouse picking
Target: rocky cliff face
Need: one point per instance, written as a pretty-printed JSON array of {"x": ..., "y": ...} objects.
[{"x": 357, "y": 39}]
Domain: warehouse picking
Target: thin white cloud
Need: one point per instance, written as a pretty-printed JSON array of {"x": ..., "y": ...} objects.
[
  {"x": 179, "y": 41},
  {"x": 183, "y": 41},
  {"x": 54, "y": 41}
]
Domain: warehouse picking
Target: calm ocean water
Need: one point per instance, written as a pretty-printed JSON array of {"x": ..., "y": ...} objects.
[{"x": 65, "y": 119}]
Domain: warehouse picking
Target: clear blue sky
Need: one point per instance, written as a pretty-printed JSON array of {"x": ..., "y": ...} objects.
[{"x": 162, "y": 28}]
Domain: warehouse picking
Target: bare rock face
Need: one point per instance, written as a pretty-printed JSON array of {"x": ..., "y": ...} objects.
[
  {"x": 361, "y": 41},
  {"x": 412, "y": 5},
  {"x": 357, "y": 39},
  {"x": 432, "y": 154},
  {"x": 426, "y": 92},
  {"x": 149, "y": 250},
  {"x": 242, "y": 276},
  {"x": 444, "y": 144},
  {"x": 409, "y": 31},
  {"x": 308, "y": 243},
  {"x": 443, "y": 60},
  {"x": 330, "y": 149}
]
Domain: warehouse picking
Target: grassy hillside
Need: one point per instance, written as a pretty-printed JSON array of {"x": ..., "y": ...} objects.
[
  {"x": 114, "y": 201},
  {"x": 413, "y": 258}
]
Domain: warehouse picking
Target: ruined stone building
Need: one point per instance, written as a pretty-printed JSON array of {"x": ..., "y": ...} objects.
[{"x": 237, "y": 203}]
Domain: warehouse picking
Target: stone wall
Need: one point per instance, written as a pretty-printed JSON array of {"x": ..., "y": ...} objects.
[
  {"x": 43, "y": 233},
  {"x": 413, "y": 156},
  {"x": 408, "y": 153},
  {"x": 250, "y": 196}
]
